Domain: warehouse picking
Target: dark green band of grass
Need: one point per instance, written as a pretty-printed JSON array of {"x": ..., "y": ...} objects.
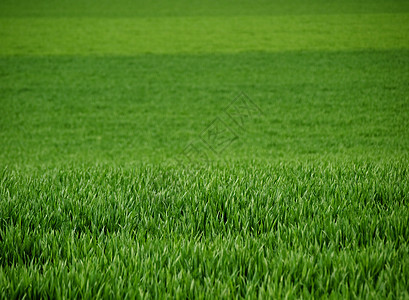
[{"x": 150, "y": 107}]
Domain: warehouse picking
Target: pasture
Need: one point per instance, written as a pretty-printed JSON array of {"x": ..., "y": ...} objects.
[{"x": 214, "y": 149}]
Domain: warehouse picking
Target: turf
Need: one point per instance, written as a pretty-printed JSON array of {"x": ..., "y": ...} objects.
[
  {"x": 287, "y": 230},
  {"x": 210, "y": 34},
  {"x": 111, "y": 185},
  {"x": 148, "y": 108}
]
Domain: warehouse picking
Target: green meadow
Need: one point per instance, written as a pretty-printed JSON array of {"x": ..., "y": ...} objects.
[{"x": 204, "y": 149}]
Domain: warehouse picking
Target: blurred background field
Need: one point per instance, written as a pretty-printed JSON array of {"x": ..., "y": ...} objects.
[
  {"x": 136, "y": 82},
  {"x": 148, "y": 108}
]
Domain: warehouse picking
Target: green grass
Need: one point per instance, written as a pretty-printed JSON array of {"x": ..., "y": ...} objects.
[
  {"x": 287, "y": 230},
  {"x": 182, "y": 8},
  {"x": 98, "y": 104},
  {"x": 211, "y": 34},
  {"x": 123, "y": 110}
]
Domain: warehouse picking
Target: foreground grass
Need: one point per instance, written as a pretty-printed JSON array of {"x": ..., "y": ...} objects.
[{"x": 278, "y": 230}]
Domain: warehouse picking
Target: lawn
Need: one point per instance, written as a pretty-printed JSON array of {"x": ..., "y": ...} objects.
[{"x": 212, "y": 149}]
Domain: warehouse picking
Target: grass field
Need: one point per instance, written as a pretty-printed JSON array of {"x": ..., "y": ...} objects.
[{"x": 214, "y": 149}]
